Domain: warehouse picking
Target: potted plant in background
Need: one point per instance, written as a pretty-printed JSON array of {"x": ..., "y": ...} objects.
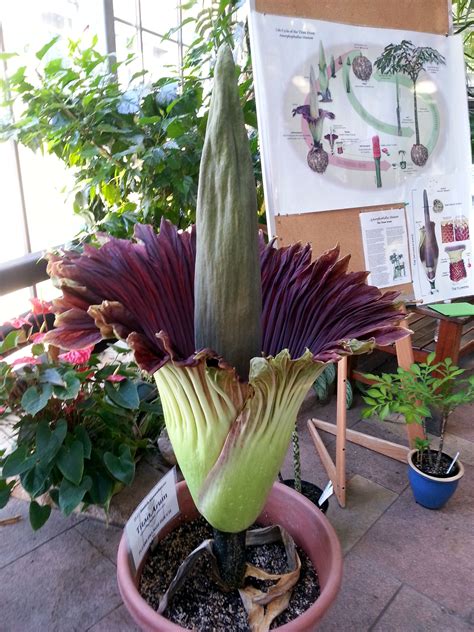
[
  {"x": 79, "y": 424},
  {"x": 422, "y": 391},
  {"x": 235, "y": 333}
]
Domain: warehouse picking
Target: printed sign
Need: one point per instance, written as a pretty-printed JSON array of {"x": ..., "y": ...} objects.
[
  {"x": 151, "y": 515},
  {"x": 385, "y": 239}
]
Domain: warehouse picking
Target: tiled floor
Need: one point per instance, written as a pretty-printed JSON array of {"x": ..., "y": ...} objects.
[{"x": 407, "y": 568}]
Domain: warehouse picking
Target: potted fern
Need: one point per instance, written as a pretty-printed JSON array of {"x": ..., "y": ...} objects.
[
  {"x": 429, "y": 389},
  {"x": 235, "y": 333}
]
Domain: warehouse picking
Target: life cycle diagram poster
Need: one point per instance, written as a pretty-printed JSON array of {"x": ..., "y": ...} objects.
[{"x": 351, "y": 117}]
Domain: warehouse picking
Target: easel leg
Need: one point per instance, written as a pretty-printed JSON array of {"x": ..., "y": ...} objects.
[{"x": 405, "y": 360}]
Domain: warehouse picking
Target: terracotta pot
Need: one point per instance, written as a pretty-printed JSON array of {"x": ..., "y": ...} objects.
[{"x": 309, "y": 528}]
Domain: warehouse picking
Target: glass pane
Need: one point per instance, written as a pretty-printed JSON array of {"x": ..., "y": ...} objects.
[
  {"x": 14, "y": 304},
  {"x": 126, "y": 38},
  {"x": 160, "y": 58},
  {"x": 125, "y": 10},
  {"x": 12, "y": 242},
  {"x": 159, "y": 17},
  {"x": 46, "y": 181}
]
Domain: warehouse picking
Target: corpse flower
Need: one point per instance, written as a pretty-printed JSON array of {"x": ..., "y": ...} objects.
[{"x": 234, "y": 331}]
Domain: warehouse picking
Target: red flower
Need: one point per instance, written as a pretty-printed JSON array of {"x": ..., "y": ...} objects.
[
  {"x": 26, "y": 360},
  {"x": 41, "y": 307},
  {"x": 19, "y": 322},
  {"x": 77, "y": 356},
  {"x": 115, "y": 378}
]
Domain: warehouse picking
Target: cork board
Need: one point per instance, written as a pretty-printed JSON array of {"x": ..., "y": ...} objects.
[
  {"x": 325, "y": 229},
  {"x": 428, "y": 16}
]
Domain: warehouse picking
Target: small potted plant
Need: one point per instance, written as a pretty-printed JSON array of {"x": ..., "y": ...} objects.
[
  {"x": 79, "y": 423},
  {"x": 235, "y": 332},
  {"x": 425, "y": 390}
]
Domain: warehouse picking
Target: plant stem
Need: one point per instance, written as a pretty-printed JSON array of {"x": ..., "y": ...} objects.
[
  {"x": 296, "y": 460},
  {"x": 441, "y": 442},
  {"x": 415, "y": 106},
  {"x": 229, "y": 549}
]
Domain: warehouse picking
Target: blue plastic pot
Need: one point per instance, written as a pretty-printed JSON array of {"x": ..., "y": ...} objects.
[{"x": 430, "y": 491}]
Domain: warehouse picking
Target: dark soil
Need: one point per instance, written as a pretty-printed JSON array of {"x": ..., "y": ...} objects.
[
  {"x": 429, "y": 469},
  {"x": 200, "y": 605}
]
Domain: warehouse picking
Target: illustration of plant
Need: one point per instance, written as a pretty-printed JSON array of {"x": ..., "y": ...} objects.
[
  {"x": 429, "y": 250},
  {"x": 333, "y": 67},
  {"x": 362, "y": 67},
  {"x": 323, "y": 76},
  {"x": 408, "y": 59},
  {"x": 318, "y": 158}
]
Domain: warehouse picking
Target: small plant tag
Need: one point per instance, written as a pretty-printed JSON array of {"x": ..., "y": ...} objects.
[{"x": 158, "y": 507}]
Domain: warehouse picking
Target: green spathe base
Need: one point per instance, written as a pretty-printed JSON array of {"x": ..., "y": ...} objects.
[{"x": 230, "y": 438}]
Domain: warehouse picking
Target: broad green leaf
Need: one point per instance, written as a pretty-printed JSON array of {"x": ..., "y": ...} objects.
[
  {"x": 70, "y": 461},
  {"x": 38, "y": 514},
  {"x": 83, "y": 437},
  {"x": 52, "y": 376},
  {"x": 36, "y": 480},
  {"x": 35, "y": 398},
  {"x": 18, "y": 462},
  {"x": 37, "y": 349},
  {"x": 71, "y": 388},
  {"x": 5, "y": 491},
  {"x": 122, "y": 467},
  {"x": 124, "y": 394},
  {"x": 71, "y": 495},
  {"x": 10, "y": 341},
  {"x": 42, "y": 52},
  {"x": 102, "y": 488}
]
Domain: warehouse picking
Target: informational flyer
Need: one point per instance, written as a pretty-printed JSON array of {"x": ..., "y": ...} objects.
[
  {"x": 353, "y": 117},
  {"x": 385, "y": 240},
  {"x": 441, "y": 242}
]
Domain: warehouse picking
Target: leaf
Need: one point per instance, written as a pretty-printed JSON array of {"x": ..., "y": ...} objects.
[
  {"x": 42, "y": 51},
  {"x": 71, "y": 388},
  {"x": 52, "y": 376},
  {"x": 125, "y": 395},
  {"x": 7, "y": 56},
  {"x": 83, "y": 437},
  {"x": 38, "y": 514},
  {"x": 18, "y": 462},
  {"x": 5, "y": 491},
  {"x": 10, "y": 341},
  {"x": 121, "y": 467},
  {"x": 101, "y": 490},
  {"x": 71, "y": 495},
  {"x": 35, "y": 398},
  {"x": 70, "y": 461},
  {"x": 36, "y": 480}
]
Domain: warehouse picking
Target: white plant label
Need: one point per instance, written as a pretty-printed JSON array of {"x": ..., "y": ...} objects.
[{"x": 158, "y": 507}]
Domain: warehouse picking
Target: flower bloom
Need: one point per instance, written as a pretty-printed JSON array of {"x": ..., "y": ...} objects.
[
  {"x": 40, "y": 306},
  {"x": 115, "y": 378},
  {"x": 19, "y": 322},
  {"x": 26, "y": 360},
  {"x": 77, "y": 356}
]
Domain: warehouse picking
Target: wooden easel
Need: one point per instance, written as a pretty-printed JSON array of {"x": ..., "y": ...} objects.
[{"x": 337, "y": 470}]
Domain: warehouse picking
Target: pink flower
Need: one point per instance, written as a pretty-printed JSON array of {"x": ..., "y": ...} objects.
[
  {"x": 41, "y": 307},
  {"x": 37, "y": 337},
  {"x": 26, "y": 360},
  {"x": 77, "y": 356},
  {"x": 2, "y": 409},
  {"x": 19, "y": 322},
  {"x": 115, "y": 378}
]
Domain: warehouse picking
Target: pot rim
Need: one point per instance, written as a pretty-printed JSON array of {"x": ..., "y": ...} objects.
[
  {"x": 450, "y": 479},
  {"x": 149, "y": 616}
]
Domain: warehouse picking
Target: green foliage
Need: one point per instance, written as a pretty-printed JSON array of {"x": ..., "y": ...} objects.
[
  {"x": 418, "y": 392},
  {"x": 80, "y": 428},
  {"x": 134, "y": 150}
]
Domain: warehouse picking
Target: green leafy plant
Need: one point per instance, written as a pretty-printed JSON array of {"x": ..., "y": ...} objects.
[
  {"x": 427, "y": 388},
  {"x": 134, "y": 150},
  {"x": 80, "y": 424}
]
